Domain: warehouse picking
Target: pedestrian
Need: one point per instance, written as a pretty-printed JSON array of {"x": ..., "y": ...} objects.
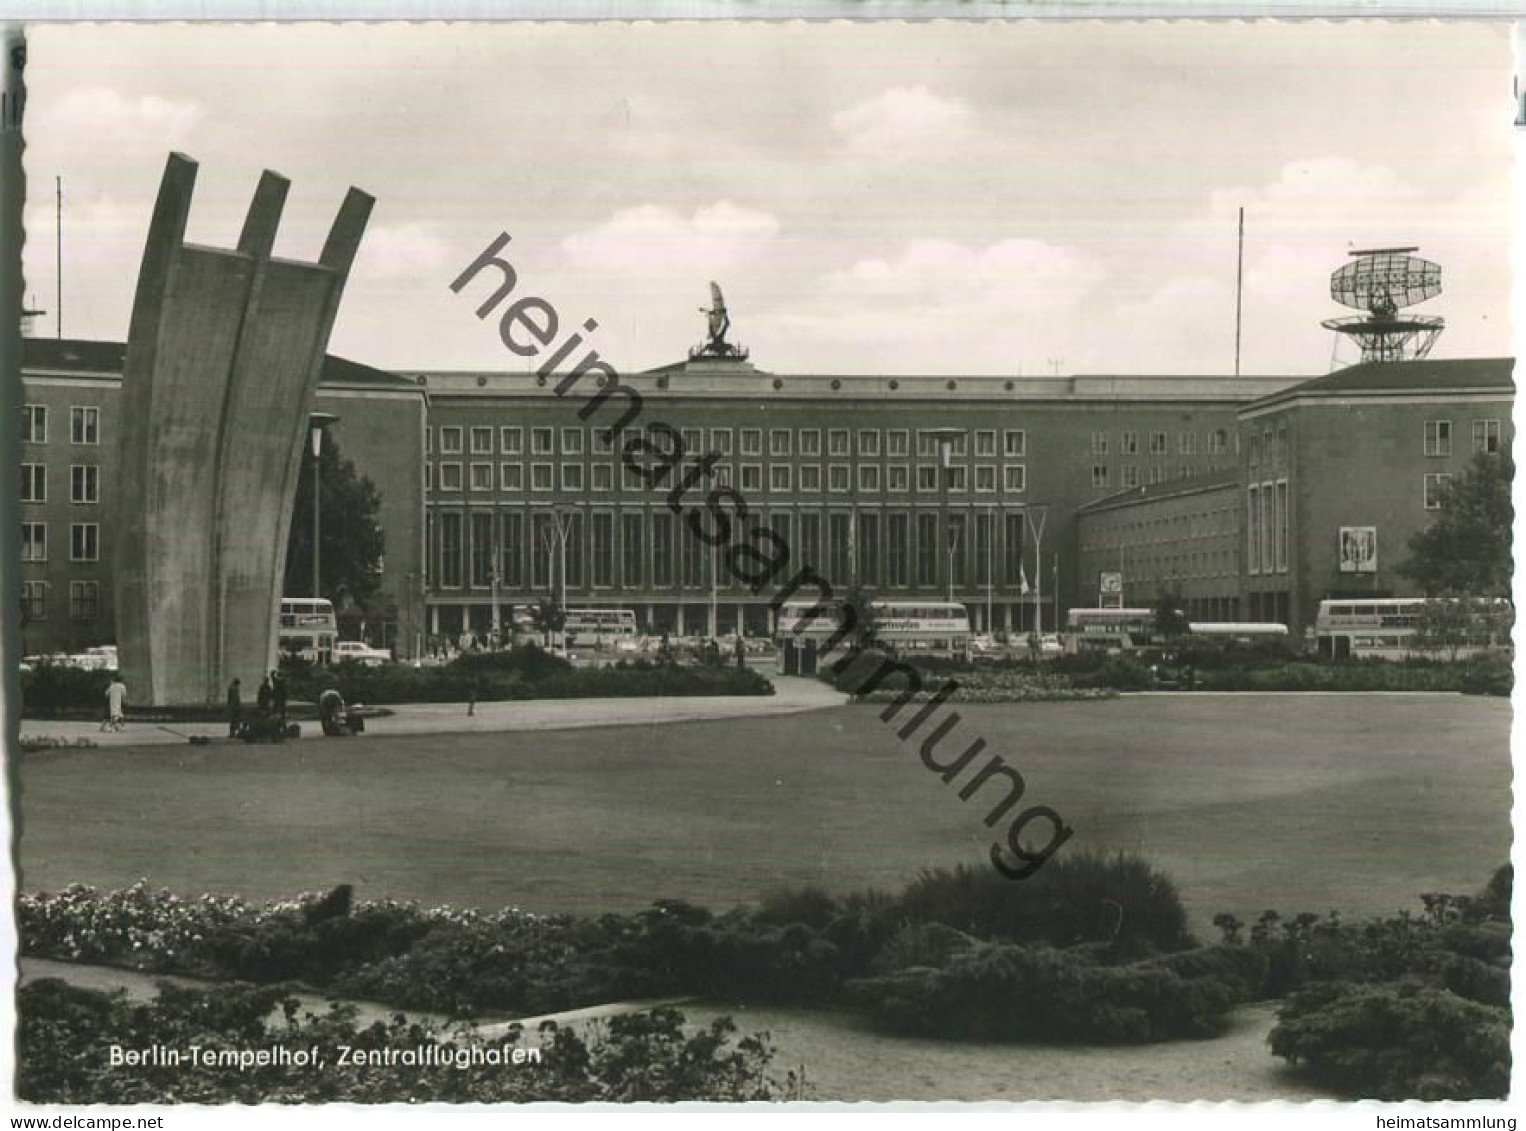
[
  {"x": 116, "y": 701},
  {"x": 262, "y": 698},
  {"x": 235, "y": 708},
  {"x": 741, "y": 652},
  {"x": 278, "y": 696}
]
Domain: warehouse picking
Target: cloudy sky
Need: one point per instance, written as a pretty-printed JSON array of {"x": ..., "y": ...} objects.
[{"x": 924, "y": 198}]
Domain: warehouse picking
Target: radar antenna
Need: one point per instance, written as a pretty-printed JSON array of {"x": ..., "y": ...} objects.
[{"x": 1381, "y": 282}]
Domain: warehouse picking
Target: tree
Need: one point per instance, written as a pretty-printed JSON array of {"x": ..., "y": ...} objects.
[
  {"x": 1170, "y": 620},
  {"x": 547, "y": 617},
  {"x": 351, "y": 539},
  {"x": 862, "y": 617},
  {"x": 1466, "y": 548}
]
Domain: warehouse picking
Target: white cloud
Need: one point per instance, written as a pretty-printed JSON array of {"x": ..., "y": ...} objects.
[
  {"x": 406, "y": 250},
  {"x": 103, "y": 115},
  {"x": 903, "y": 123},
  {"x": 639, "y": 240}
]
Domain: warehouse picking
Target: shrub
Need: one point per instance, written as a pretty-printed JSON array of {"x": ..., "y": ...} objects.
[
  {"x": 50, "y": 690},
  {"x": 1002, "y": 991},
  {"x": 65, "y": 1033},
  {"x": 1394, "y": 1042},
  {"x": 1117, "y": 899}
]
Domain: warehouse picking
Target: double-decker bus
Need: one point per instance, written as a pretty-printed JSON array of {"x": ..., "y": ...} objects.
[
  {"x": 308, "y": 628},
  {"x": 1110, "y": 629},
  {"x": 929, "y": 628},
  {"x": 1392, "y": 628},
  {"x": 599, "y": 626}
]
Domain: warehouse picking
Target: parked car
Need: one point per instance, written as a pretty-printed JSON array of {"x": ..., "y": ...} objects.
[{"x": 358, "y": 652}]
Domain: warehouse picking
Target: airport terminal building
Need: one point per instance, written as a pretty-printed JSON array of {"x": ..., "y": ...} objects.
[{"x": 1252, "y": 498}]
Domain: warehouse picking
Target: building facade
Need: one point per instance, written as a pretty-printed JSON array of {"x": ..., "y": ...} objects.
[
  {"x": 69, "y": 431},
  {"x": 846, "y": 469}
]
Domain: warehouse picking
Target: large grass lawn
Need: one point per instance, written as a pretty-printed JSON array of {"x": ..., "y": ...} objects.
[{"x": 1297, "y": 802}]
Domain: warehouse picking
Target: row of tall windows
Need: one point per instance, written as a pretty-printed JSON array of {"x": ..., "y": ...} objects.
[
  {"x": 1437, "y": 441},
  {"x": 518, "y": 549},
  {"x": 84, "y": 600},
  {"x": 84, "y": 483},
  {"x": 1266, "y": 527},
  {"x": 84, "y": 541},
  {"x": 84, "y": 424}
]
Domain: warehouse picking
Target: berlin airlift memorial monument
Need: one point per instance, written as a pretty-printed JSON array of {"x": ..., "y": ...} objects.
[{"x": 224, "y": 352}]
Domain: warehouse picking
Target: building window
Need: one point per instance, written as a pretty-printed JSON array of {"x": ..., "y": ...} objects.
[
  {"x": 958, "y": 479},
  {"x": 810, "y": 441},
  {"x": 1012, "y": 551},
  {"x": 868, "y": 477},
  {"x": 511, "y": 477},
  {"x": 927, "y": 549},
  {"x": 602, "y": 442},
  {"x": 575, "y": 550},
  {"x": 1282, "y": 443},
  {"x": 84, "y": 542},
  {"x": 985, "y": 479},
  {"x": 84, "y": 483},
  {"x": 1157, "y": 443},
  {"x": 693, "y": 439},
  {"x": 542, "y": 548},
  {"x": 1486, "y": 436},
  {"x": 1186, "y": 443},
  {"x": 898, "y": 560},
  {"x": 1014, "y": 478},
  {"x": 837, "y": 476},
  {"x": 603, "y": 531},
  {"x": 541, "y": 441},
  {"x": 690, "y": 564},
  {"x": 810, "y": 477},
  {"x": 450, "y": 477},
  {"x": 630, "y": 551},
  {"x": 450, "y": 549},
  {"x": 84, "y": 425},
  {"x": 34, "y": 600},
  {"x": 722, "y": 474},
  {"x": 1438, "y": 437},
  {"x": 512, "y": 441},
  {"x": 450, "y": 441},
  {"x": 839, "y": 538},
  {"x": 752, "y": 477},
  {"x": 1099, "y": 443},
  {"x": 512, "y": 551},
  {"x": 630, "y": 478},
  {"x": 1280, "y": 523},
  {"x": 428, "y": 440},
  {"x": 34, "y": 424},
  {"x": 868, "y": 544},
  {"x": 34, "y": 541},
  {"x": 1099, "y": 475},
  {"x": 572, "y": 441},
  {"x": 482, "y": 476},
  {"x": 779, "y": 442},
  {"x": 1014, "y": 443},
  {"x": 778, "y": 477},
  {"x": 985, "y": 444},
  {"x": 603, "y": 477},
  {"x": 898, "y": 477},
  {"x": 482, "y": 550},
  {"x": 482, "y": 441},
  {"x": 868, "y": 442},
  {"x": 540, "y": 477},
  {"x": 1128, "y": 443},
  {"x": 572, "y": 477},
  {"x": 897, "y": 443},
  {"x": 1130, "y": 474},
  {"x": 662, "y": 550},
  {"x": 1218, "y": 442},
  {"x": 1435, "y": 490},
  {"x": 34, "y": 483},
  {"x": 927, "y": 478},
  {"x": 752, "y": 441},
  {"x": 720, "y": 440},
  {"x": 429, "y": 477},
  {"x": 1252, "y": 525},
  {"x": 810, "y": 539},
  {"x": 985, "y": 547},
  {"x": 837, "y": 442}
]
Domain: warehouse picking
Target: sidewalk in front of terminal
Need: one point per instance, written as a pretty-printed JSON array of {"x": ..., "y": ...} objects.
[{"x": 792, "y": 695}]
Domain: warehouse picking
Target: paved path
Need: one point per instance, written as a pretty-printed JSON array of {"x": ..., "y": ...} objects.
[{"x": 792, "y": 696}]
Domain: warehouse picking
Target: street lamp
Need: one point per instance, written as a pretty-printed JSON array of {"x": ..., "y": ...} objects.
[
  {"x": 316, "y": 423},
  {"x": 1038, "y": 564},
  {"x": 945, "y": 438}
]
